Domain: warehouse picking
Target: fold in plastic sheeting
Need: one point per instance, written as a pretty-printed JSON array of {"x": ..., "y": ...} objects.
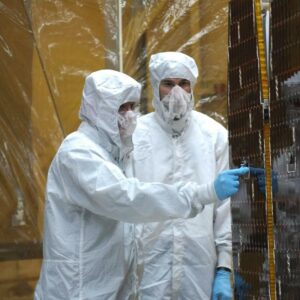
[{"x": 46, "y": 50}]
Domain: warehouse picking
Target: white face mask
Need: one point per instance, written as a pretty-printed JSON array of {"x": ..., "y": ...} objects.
[
  {"x": 127, "y": 123},
  {"x": 176, "y": 104}
]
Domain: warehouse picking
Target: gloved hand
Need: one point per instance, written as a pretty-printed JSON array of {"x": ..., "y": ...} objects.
[
  {"x": 261, "y": 179},
  {"x": 222, "y": 286},
  {"x": 227, "y": 182},
  {"x": 241, "y": 287}
]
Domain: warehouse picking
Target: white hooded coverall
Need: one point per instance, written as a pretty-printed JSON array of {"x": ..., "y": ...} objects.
[
  {"x": 178, "y": 258},
  {"x": 89, "y": 249}
]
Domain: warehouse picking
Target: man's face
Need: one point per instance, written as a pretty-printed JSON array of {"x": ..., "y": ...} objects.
[
  {"x": 126, "y": 107},
  {"x": 167, "y": 84}
]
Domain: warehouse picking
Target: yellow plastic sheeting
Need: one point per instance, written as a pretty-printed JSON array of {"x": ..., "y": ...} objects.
[
  {"x": 46, "y": 50},
  {"x": 197, "y": 28},
  {"x": 18, "y": 279},
  {"x": 71, "y": 38},
  {"x": 19, "y": 235}
]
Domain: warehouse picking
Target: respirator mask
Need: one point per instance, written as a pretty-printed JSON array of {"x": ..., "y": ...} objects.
[
  {"x": 127, "y": 123},
  {"x": 176, "y": 107}
]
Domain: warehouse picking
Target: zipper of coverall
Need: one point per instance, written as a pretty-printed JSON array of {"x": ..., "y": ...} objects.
[{"x": 177, "y": 232}]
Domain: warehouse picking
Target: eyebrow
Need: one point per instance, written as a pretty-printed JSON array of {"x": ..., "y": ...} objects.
[
  {"x": 184, "y": 81},
  {"x": 167, "y": 81}
]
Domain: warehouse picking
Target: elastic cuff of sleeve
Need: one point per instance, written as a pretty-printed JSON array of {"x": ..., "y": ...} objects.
[
  {"x": 214, "y": 192},
  {"x": 207, "y": 194},
  {"x": 224, "y": 260},
  {"x": 211, "y": 191},
  {"x": 224, "y": 269}
]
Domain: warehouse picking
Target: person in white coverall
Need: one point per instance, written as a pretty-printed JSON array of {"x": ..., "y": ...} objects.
[
  {"x": 183, "y": 258},
  {"x": 89, "y": 246}
]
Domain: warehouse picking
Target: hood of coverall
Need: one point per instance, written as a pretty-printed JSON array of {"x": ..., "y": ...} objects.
[
  {"x": 170, "y": 65},
  {"x": 103, "y": 93}
]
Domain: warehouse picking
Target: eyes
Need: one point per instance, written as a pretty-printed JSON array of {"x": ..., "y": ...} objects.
[
  {"x": 134, "y": 106},
  {"x": 170, "y": 83}
]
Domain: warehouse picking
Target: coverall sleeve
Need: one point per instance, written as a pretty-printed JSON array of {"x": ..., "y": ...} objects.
[
  {"x": 222, "y": 218},
  {"x": 100, "y": 187}
]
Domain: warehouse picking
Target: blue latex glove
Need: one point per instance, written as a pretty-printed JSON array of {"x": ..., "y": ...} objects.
[
  {"x": 227, "y": 182},
  {"x": 241, "y": 287},
  {"x": 222, "y": 286},
  {"x": 261, "y": 180}
]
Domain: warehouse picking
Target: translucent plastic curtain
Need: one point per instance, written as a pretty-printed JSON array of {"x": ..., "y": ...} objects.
[
  {"x": 46, "y": 50},
  {"x": 197, "y": 28}
]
